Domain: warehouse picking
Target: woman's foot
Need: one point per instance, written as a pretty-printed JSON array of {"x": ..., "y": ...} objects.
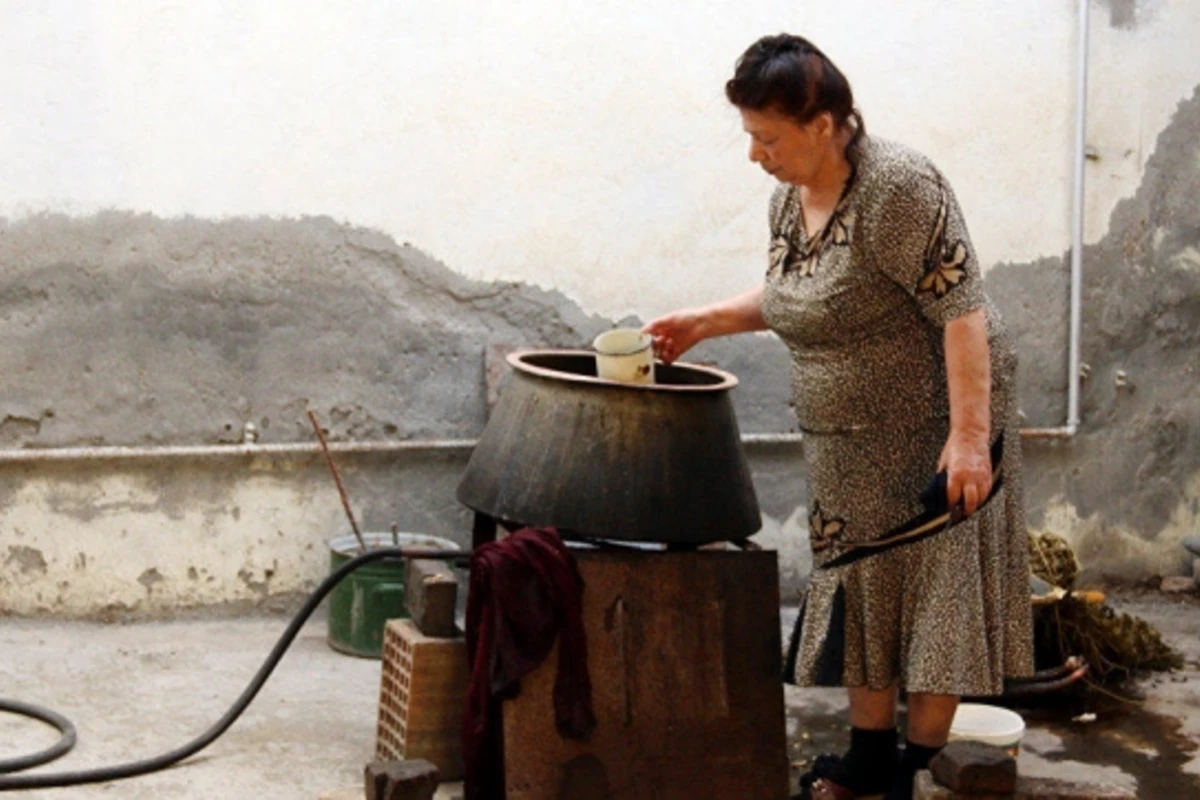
[
  {"x": 819, "y": 782},
  {"x": 857, "y": 774},
  {"x": 828, "y": 790}
]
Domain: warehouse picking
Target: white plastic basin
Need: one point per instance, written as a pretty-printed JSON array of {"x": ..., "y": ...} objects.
[{"x": 977, "y": 722}]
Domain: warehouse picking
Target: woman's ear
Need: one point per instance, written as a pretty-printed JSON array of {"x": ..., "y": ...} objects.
[
  {"x": 827, "y": 127},
  {"x": 822, "y": 125}
]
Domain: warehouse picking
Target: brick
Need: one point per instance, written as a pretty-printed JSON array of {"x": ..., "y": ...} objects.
[
  {"x": 926, "y": 788},
  {"x": 430, "y": 592},
  {"x": 401, "y": 780},
  {"x": 423, "y": 685},
  {"x": 975, "y": 768},
  {"x": 1179, "y": 583}
]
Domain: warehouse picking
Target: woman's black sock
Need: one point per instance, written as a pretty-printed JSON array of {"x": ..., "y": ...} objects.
[
  {"x": 870, "y": 765},
  {"x": 916, "y": 758}
]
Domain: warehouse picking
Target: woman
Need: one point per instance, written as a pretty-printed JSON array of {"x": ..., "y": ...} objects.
[{"x": 901, "y": 369}]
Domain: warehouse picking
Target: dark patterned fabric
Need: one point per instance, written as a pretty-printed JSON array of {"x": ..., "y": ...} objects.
[{"x": 862, "y": 307}]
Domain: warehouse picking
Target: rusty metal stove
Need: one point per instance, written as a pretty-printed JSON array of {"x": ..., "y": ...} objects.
[{"x": 684, "y": 643}]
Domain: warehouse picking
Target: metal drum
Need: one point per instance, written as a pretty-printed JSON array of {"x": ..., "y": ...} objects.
[{"x": 659, "y": 462}]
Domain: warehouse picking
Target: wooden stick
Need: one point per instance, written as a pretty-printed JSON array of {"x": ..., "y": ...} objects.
[{"x": 338, "y": 480}]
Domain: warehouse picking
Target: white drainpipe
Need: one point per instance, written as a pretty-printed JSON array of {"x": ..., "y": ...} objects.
[{"x": 1074, "y": 373}]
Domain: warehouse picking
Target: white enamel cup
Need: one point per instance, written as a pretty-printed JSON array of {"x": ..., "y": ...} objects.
[{"x": 626, "y": 355}]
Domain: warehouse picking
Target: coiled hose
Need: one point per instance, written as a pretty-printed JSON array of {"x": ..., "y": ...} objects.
[{"x": 132, "y": 769}]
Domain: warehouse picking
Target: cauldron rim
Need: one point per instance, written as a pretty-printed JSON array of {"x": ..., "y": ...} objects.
[{"x": 724, "y": 381}]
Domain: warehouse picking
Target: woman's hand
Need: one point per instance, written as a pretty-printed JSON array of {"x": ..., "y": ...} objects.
[
  {"x": 680, "y": 331},
  {"x": 676, "y": 333},
  {"x": 968, "y": 466}
]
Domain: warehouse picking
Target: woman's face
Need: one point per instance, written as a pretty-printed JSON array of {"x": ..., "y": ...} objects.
[{"x": 791, "y": 152}]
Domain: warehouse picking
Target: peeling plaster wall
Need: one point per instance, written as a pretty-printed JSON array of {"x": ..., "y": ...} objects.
[
  {"x": 1127, "y": 489},
  {"x": 208, "y": 210}
]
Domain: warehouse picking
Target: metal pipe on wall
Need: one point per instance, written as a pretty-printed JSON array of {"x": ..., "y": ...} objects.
[
  {"x": 1074, "y": 375},
  {"x": 31, "y": 455},
  {"x": 1073, "y": 364},
  {"x": 117, "y": 453}
]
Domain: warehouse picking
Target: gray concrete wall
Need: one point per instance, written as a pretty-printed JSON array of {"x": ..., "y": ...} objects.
[{"x": 123, "y": 329}]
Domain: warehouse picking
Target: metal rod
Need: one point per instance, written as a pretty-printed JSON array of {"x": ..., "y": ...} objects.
[
  {"x": 362, "y": 543},
  {"x": 281, "y": 450},
  {"x": 34, "y": 455},
  {"x": 798, "y": 438}
]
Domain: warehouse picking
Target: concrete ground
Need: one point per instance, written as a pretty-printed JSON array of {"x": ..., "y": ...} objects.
[{"x": 137, "y": 690}]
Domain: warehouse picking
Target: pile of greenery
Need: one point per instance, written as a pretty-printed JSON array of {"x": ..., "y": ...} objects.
[{"x": 1116, "y": 646}]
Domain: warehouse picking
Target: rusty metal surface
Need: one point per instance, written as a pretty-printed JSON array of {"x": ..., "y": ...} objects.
[
  {"x": 661, "y": 463},
  {"x": 684, "y": 654}
]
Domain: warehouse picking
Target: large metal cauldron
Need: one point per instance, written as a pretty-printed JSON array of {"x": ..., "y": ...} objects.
[{"x": 660, "y": 462}]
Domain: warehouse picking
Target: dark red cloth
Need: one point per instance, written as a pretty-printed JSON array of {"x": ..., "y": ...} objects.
[{"x": 526, "y": 592}]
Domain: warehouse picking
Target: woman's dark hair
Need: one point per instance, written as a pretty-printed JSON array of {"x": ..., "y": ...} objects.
[{"x": 789, "y": 74}]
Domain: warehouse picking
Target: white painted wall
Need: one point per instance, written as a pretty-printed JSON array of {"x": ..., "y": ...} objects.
[{"x": 577, "y": 145}]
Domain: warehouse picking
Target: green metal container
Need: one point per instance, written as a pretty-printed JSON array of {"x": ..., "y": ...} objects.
[{"x": 362, "y": 602}]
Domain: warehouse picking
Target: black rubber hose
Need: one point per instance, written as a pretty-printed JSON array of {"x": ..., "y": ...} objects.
[
  {"x": 132, "y": 769},
  {"x": 52, "y": 718}
]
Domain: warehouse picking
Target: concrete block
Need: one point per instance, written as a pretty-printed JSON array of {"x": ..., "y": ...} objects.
[
  {"x": 926, "y": 788},
  {"x": 1177, "y": 584},
  {"x": 975, "y": 768},
  {"x": 430, "y": 592},
  {"x": 401, "y": 780}
]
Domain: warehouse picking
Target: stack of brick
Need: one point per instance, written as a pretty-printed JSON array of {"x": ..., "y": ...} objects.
[{"x": 424, "y": 675}]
